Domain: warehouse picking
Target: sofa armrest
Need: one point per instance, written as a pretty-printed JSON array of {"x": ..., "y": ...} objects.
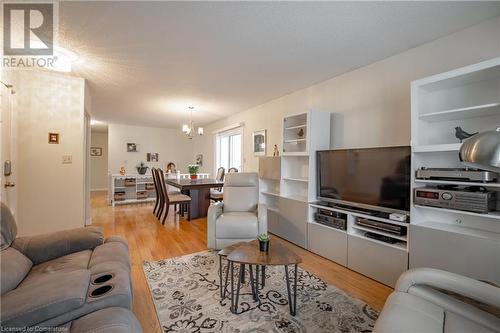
[
  {"x": 46, "y": 247},
  {"x": 262, "y": 218},
  {"x": 214, "y": 211},
  {"x": 50, "y": 296},
  {"x": 456, "y": 283}
]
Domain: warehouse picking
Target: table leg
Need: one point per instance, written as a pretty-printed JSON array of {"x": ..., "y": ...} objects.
[
  {"x": 242, "y": 273},
  {"x": 226, "y": 280},
  {"x": 295, "y": 291},
  {"x": 257, "y": 270},
  {"x": 252, "y": 282},
  {"x": 242, "y": 266},
  {"x": 287, "y": 277},
  {"x": 232, "y": 285},
  {"x": 263, "y": 276},
  {"x": 220, "y": 277}
]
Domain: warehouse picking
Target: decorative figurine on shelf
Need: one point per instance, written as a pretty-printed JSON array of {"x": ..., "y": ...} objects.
[
  {"x": 142, "y": 168},
  {"x": 122, "y": 171},
  {"x": 276, "y": 152},
  {"x": 171, "y": 167},
  {"x": 460, "y": 134},
  {"x": 300, "y": 133}
]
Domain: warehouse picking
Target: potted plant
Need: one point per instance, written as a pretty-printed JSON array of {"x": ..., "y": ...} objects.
[
  {"x": 193, "y": 170},
  {"x": 142, "y": 168},
  {"x": 263, "y": 242}
]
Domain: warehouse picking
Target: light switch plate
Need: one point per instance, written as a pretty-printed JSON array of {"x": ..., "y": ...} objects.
[{"x": 67, "y": 159}]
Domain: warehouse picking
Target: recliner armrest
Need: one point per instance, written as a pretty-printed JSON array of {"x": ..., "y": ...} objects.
[
  {"x": 49, "y": 296},
  {"x": 214, "y": 211},
  {"x": 46, "y": 247},
  {"x": 456, "y": 283},
  {"x": 262, "y": 218}
]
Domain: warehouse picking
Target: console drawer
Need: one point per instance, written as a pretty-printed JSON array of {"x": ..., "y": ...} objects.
[
  {"x": 377, "y": 261},
  {"x": 327, "y": 242}
]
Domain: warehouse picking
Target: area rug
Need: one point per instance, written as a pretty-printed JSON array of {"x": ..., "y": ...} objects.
[{"x": 185, "y": 291}]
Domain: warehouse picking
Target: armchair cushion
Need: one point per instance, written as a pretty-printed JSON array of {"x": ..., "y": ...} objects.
[
  {"x": 241, "y": 192},
  {"x": 8, "y": 227},
  {"x": 53, "y": 245},
  {"x": 14, "y": 267},
  {"x": 237, "y": 225},
  {"x": 50, "y": 296}
]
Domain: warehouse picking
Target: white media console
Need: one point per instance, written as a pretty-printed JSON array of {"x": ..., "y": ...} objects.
[{"x": 463, "y": 242}]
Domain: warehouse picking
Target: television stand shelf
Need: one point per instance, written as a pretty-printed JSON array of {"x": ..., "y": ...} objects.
[{"x": 374, "y": 258}]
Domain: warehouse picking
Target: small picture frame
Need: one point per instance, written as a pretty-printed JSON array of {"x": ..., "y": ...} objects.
[
  {"x": 199, "y": 159},
  {"x": 95, "y": 151},
  {"x": 53, "y": 138},
  {"x": 259, "y": 143},
  {"x": 152, "y": 157},
  {"x": 131, "y": 147}
]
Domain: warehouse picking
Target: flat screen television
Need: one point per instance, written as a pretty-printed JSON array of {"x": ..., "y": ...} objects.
[{"x": 368, "y": 178}]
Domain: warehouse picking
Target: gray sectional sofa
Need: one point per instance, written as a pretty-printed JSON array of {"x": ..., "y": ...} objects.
[{"x": 74, "y": 280}]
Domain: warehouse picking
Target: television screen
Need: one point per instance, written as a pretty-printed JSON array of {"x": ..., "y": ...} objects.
[{"x": 372, "y": 176}]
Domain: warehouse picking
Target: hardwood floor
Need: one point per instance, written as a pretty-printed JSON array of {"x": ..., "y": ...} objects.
[{"x": 149, "y": 240}]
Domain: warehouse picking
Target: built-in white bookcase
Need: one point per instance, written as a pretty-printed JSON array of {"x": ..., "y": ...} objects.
[
  {"x": 288, "y": 194},
  {"x": 463, "y": 242}
]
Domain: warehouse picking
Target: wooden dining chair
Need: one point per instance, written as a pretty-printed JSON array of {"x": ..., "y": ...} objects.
[
  {"x": 216, "y": 194},
  {"x": 233, "y": 169},
  {"x": 157, "y": 200},
  {"x": 159, "y": 193},
  {"x": 173, "y": 199}
]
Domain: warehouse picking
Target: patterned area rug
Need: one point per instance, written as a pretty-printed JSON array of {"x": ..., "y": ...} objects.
[{"x": 186, "y": 294}]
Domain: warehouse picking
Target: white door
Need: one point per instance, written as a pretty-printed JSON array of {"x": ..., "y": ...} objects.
[{"x": 8, "y": 192}]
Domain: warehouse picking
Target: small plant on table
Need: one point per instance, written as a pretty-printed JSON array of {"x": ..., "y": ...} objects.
[{"x": 263, "y": 242}]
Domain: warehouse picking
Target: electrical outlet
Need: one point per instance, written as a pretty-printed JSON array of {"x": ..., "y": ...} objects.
[{"x": 67, "y": 159}]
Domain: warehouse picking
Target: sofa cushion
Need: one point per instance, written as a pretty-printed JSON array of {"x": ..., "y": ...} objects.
[
  {"x": 50, "y": 296},
  {"x": 68, "y": 263},
  {"x": 8, "y": 227},
  {"x": 110, "y": 252},
  {"x": 110, "y": 320},
  {"x": 458, "y": 324},
  {"x": 407, "y": 313},
  {"x": 237, "y": 225},
  {"x": 50, "y": 246},
  {"x": 14, "y": 267}
]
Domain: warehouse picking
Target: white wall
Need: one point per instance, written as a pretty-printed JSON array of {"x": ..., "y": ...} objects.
[
  {"x": 372, "y": 103},
  {"x": 50, "y": 193},
  {"x": 171, "y": 144},
  {"x": 99, "y": 164}
]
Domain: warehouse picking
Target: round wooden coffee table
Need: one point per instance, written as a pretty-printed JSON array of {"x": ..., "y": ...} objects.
[{"x": 249, "y": 254}]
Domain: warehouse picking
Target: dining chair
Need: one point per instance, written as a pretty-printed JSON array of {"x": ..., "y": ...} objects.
[
  {"x": 157, "y": 200},
  {"x": 216, "y": 194},
  {"x": 173, "y": 199},
  {"x": 233, "y": 169}
]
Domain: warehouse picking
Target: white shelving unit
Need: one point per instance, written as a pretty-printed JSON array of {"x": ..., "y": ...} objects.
[
  {"x": 376, "y": 259},
  {"x": 463, "y": 242},
  {"x": 129, "y": 189},
  {"x": 289, "y": 191}
]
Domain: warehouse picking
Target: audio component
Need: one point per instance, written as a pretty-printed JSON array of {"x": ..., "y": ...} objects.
[
  {"x": 381, "y": 238},
  {"x": 382, "y": 226},
  {"x": 332, "y": 219},
  {"x": 465, "y": 175},
  {"x": 472, "y": 199}
]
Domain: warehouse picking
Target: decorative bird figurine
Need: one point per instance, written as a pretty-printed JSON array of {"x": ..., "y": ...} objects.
[{"x": 460, "y": 134}]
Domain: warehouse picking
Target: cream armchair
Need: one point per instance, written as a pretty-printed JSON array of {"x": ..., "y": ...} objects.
[
  {"x": 239, "y": 217},
  {"x": 418, "y": 305}
]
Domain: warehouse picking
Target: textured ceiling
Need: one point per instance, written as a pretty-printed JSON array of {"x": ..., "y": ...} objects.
[{"x": 146, "y": 62}]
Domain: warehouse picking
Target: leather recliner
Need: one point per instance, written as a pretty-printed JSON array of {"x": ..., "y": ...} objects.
[
  {"x": 73, "y": 279},
  {"x": 418, "y": 304},
  {"x": 239, "y": 217}
]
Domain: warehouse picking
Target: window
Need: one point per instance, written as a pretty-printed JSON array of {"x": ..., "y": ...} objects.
[{"x": 229, "y": 150}]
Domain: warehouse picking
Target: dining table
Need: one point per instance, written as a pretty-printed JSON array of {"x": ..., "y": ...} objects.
[{"x": 198, "y": 190}]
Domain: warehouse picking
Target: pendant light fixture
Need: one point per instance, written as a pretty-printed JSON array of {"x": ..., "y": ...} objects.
[{"x": 189, "y": 129}]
